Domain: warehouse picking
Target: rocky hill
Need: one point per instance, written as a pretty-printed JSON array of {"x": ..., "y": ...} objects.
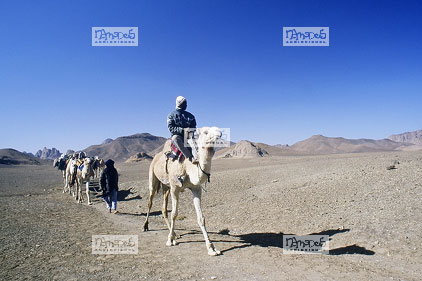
[
  {"x": 414, "y": 137},
  {"x": 47, "y": 153},
  {"x": 10, "y": 156},
  {"x": 139, "y": 157},
  {"x": 123, "y": 148},
  {"x": 319, "y": 144}
]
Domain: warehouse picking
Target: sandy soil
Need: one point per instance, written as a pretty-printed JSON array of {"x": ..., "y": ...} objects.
[{"x": 373, "y": 216}]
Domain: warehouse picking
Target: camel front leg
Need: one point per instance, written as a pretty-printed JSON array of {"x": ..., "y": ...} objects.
[
  {"x": 79, "y": 190},
  {"x": 64, "y": 178},
  {"x": 66, "y": 184},
  {"x": 171, "y": 241},
  {"x": 87, "y": 193},
  {"x": 197, "y": 192}
]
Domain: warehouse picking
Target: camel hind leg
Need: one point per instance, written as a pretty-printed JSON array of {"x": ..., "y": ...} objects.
[
  {"x": 174, "y": 211},
  {"x": 154, "y": 185},
  {"x": 166, "y": 193},
  {"x": 87, "y": 193}
]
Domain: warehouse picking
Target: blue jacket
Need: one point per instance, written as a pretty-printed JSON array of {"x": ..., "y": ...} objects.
[{"x": 178, "y": 120}]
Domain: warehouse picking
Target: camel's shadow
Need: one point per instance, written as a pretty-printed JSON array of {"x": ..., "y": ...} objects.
[{"x": 271, "y": 239}]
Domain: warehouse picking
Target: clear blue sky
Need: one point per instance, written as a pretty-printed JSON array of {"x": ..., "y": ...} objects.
[{"x": 225, "y": 56}]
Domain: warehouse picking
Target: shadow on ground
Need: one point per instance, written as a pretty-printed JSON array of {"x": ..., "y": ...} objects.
[
  {"x": 270, "y": 239},
  {"x": 123, "y": 194}
]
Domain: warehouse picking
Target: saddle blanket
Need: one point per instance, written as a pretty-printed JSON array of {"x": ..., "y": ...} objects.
[{"x": 175, "y": 153}]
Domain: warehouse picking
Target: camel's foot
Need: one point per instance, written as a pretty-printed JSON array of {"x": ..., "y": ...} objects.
[
  {"x": 146, "y": 226},
  {"x": 212, "y": 251},
  {"x": 89, "y": 203},
  {"x": 171, "y": 243}
]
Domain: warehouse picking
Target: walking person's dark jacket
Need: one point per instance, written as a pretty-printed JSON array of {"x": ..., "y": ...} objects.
[{"x": 109, "y": 178}]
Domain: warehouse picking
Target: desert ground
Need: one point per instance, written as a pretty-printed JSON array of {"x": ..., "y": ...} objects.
[{"x": 373, "y": 216}]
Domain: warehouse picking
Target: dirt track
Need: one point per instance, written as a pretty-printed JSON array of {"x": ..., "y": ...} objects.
[{"x": 372, "y": 215}]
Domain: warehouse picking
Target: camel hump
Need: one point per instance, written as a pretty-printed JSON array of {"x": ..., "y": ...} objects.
[{"x": 167, "y": 145}]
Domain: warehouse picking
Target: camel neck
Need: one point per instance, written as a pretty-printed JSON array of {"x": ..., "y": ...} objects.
[{"x": 205, "y": 157}]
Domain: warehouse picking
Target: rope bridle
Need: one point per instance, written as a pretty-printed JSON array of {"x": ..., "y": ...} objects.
[{"x": 208, "y": 174}]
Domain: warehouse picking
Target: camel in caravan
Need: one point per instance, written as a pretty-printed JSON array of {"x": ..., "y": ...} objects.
[
  {"x": 61, "y": 164},
  {"x": 164, "y": 172},
  {"x": 70, "y": 177},
  {"x": 96, "y": 166},
  {"x": 84, "y": 175}
]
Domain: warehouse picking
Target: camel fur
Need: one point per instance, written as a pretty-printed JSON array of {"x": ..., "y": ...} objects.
[
  {"x": 71, "y": 168},
  {"x": 84, "y": 176},
  {"x": 164, "y": 172}
]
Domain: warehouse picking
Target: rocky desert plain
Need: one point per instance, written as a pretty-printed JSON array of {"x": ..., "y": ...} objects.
[{"x": 372, "y": 215}]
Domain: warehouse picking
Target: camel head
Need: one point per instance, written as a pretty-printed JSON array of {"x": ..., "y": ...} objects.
[
  {"x": 87, "y": 161},
  {"x": 87, "y": 169},
  {"x": 208, "y": 137}
]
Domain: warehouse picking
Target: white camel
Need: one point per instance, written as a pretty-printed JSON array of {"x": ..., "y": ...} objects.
[
  {"x": 82, "y": 176},
  {"x": 165, "y": 173},
  {"x": 61, "y": 163},
  {"x": 70, "y": 177},
  {"x": 96, "y": 166},
  {"x": 100, "y": 166}
]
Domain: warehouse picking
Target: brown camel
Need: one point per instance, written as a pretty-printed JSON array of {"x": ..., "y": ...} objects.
[{"x": 166, "y": 173}]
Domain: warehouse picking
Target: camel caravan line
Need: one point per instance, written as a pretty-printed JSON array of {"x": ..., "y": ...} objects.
[
  {"x": 165, "y": 173},
  {"x": 78, "y": 169}
]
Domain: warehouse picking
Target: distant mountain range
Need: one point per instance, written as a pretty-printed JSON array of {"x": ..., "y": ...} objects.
[
  {"x": 139, "y": 146},
  {"x": 123, "y": 148},
  {"x": 414, "y": 137},
  {"x": 9, "y": 156},
  {"x": 319, "y": 144}
]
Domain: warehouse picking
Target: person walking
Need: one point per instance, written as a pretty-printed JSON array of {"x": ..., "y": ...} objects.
[{"x": 109, "y": 182}]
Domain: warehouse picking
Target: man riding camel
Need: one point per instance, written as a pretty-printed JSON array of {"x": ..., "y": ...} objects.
[{"x": 177, "y": 122}]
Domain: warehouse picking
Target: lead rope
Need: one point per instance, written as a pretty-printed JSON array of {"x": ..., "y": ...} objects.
[{"x": 208, "y": 176}]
